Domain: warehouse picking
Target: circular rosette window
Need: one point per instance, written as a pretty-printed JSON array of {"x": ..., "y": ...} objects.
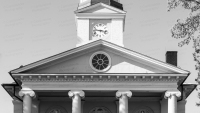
[{"x": 100, "y": 61}]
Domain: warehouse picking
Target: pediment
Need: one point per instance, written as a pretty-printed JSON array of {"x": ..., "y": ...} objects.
[
  {"x": 77, "y": 61},
  {"x": 80, "y": 63},
  {"x": 101, "y": 8}
]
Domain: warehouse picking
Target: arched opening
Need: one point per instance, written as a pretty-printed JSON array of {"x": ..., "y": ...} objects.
[
  {"x": 100, "y": 110},
  {"x": 143, "y": 109},
  {"x": 56, "y": 109}
]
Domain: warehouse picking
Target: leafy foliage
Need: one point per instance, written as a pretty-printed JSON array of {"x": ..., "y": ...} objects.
[{"x": 189, "y": 29}]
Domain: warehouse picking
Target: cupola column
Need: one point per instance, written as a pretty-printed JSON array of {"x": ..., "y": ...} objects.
[
  {"x": 27, "y": 95},
  {"x": 172, "y": 100},
  {"x": 123, "y": 100},
  {"x": 76, "y": 100}
]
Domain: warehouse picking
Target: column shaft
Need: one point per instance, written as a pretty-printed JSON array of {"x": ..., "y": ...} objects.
[
  {"x": 172, "y": 100},
  {"x": 27, "y": 95},
  {"x": 172, "y": 104},
  {"x": 76, "y": 104},
  {"x": 123, "y": 104},
  {"x": 76, "y": 100},
  {"x": 27, "y": 103},
  {"x": 123, "y": 100}
]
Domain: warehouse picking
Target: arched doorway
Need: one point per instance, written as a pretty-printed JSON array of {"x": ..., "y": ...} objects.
[
  {"x": 143, "y": 109},
  {"x": 56, "y": 109},
  {"x": 100, "y": 110}
]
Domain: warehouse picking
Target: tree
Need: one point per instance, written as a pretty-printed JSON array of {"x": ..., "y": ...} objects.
[{"x": 188, "y": 30}]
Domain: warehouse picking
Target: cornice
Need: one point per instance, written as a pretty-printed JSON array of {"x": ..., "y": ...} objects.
[
  {"x": 97, "y": 5},
  {"x": 128, "y": 52},
  {"x": 57, "y": 56},
  {"x": 99, "y": 77},
  {"x": 99, "y": 15},
  {"x": 146, "y": 58}
]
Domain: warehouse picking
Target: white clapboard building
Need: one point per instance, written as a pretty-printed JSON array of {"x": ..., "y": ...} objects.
[{"x": 100, "y": 75}]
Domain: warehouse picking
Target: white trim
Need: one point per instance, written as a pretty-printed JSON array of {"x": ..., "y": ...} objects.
[{"x": 100, "y": 4}]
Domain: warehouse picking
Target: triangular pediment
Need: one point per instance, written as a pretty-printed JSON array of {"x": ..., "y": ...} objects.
[
  {"x": 80, "y": 63},
  {"x": 77, "y": 61},
  {"x": 101, "y": 8}
]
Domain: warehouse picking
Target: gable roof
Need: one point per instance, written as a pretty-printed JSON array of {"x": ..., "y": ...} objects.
[
  {"x": 101, "y": 42},
  {"x": 86, "y": 9}
]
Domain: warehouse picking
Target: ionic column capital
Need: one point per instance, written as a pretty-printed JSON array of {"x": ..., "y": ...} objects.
[
  {"x": 26, "y": 91},
  {"x": 121, "y": 92},
  {"x": 168, "y": 94},
  {"x": 72, "y": 93}
]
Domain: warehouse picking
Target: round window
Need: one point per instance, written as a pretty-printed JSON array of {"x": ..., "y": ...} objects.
[{"x": 100, "y": 61}]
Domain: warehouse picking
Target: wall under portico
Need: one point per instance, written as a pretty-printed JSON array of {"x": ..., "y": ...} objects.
[
  {"x": 88, "y": 105},
  {"x": 151, "y": 106},
  {"x": 47, "y": 106}
]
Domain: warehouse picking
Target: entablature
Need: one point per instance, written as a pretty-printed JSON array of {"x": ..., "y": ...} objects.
[
  {"x": 101, "y": 81},
  {"x": 100, "y": 77}
]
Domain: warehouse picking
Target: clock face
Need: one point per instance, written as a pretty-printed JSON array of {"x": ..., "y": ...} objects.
[{"x": 100, "y": 30}]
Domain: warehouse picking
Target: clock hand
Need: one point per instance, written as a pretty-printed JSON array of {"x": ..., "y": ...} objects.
[
  {"x": 97, "y": 30},
  {"x": 105, "y": 31}
]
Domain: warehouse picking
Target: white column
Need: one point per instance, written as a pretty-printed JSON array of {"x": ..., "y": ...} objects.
[
  {"x": 27, "y": 95},
  {"x": 172, "y": 100},
  {"x": 76, "y": 100},
  {"x": 123, "y": 100}
]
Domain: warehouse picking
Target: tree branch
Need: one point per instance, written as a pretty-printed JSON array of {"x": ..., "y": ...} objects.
[{"x": 195, "y": 1}]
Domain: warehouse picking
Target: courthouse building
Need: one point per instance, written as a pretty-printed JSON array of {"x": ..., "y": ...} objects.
[{"x": 100, "y": 75}]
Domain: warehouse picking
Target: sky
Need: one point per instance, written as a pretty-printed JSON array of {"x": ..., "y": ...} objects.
[{"x": 31, "y": 30}]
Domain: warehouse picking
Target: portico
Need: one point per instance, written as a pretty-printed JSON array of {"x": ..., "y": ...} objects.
[
  {"x": 121, "y": 90},
  {"x": 122, "y": 103}
]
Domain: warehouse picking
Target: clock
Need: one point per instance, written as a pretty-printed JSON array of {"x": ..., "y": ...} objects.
[{"x": 100, "y": 30}]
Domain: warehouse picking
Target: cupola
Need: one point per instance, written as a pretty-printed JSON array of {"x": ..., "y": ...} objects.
[
  {"x": 100, "y": 19},
  {"x": 114, "y": 3}
]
